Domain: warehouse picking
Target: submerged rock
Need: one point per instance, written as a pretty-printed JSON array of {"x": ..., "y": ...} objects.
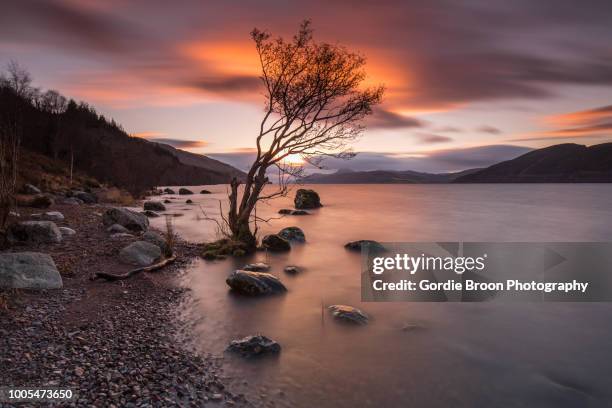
[
  {"x": 154, "y": 206},
  {"x": 364, "y": 243},
  {"x": 255, "y": 283},
  {"x": 34, "y": 231},
  {"x": 292, "y": 234},
  {"x": 140, "y": 253},
  {"x": 299, "y": 212},
  {"x": 275, "y": 243},
  {"x": 256, "y": 267},
  {"x": 168, "y": 190},
  {"x": 166, "y": 201},
  {"x": 129, "y": 219},
  {"x": 185, "y": 191},
  {"x": 28, "y": 270},
  {"x": 348, "y": 314},
  {"x": 205, "y": 192},
  {"x": 305, "y": 199},
  {"x": 189, "y": 202},
  {"x": 252, "y": 346}
]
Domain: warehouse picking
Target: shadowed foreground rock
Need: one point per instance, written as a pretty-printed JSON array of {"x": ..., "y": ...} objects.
[
  {"x": 306, "y": 199},
  {"x": 275, "y": 243},
  {"x": 35, "y": 232},
  {"x": 348, "y": 314},
  {"x": 252, "y": 346},
  {"x": 28, "y": 270},
  {"x": 154, "y": 206},
  {"x": 255, "y": 283},
  {"x": 129, "y": 219}
]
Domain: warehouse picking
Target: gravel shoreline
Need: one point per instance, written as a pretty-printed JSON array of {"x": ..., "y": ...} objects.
[{"x": 112, "y": 343}]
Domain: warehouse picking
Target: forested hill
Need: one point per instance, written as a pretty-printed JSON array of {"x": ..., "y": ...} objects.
[
  {"x": 562, "y": 163},
  {"x": 65, "y": 130}
]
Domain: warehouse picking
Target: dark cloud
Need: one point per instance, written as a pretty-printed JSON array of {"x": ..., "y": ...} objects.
[
  {"x": 227, "y": 84},
  {"x": 427, "y": 138},
  {"x": 390, "y": 120},
  {"x": 181, "y": 143},
  {"x": 492, "y": 130}
]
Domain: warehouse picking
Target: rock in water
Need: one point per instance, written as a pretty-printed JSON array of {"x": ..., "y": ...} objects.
[
  {"x": 275, "y": 243},
  {"x": 53, "y": 216},
  {"x": 185, "y": 191},
  {"x": 299, "y": 212},
  {"x": 252, "y": 346},
  {"x": 364, "y": 243},
  {"x": 256, "y": 267},
  {"x": 292, "y": 234},
  {"x": 28, "y": 270},
  {"x": 34, "y": 231},
  {"x": 67, "y": 232},
  {"x": 154, "y": 206},
  {"x": 305, "y": 199},
  {"x": 292, "y": 270},
  {"x": 348, "y": 314},
  {"x": 127, "y": 218},
  {"x": 189, "y": 202},
  {"x": 169, "y": 191},
  {"x": 31, "y": 189},
  {"x": 140, "y": 253},
  {"x": 156, "y": 239},
  {"x": 285, "y": 211},
  {"x": 116, "y": 228},
  {"x": 166, "y": 201},
  {"x": 150, "y": 214},
  {"x": 255, "y": 283},
  {"x": 205, "y": 192}
]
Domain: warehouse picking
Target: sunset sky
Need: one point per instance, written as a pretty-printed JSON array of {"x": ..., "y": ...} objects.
[{"x": 468, "y": 82}]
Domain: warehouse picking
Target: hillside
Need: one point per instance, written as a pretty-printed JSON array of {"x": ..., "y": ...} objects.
[
  {"x": 343, "y": 176},
  {"x": 102, "y": 149},
  {"x": 563, "y": 163}
]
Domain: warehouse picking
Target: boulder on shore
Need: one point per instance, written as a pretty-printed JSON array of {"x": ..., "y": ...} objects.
[
  {"x": 28, "y": 270},
  {"x": 140, "y": 253},
  {"x": 87, "y": 198},
  {"x": 67, "y": 232},
  {"x": 154, "y": 206},
  {"x": 34, "y": 231},
  {"x": 305, "y": 199},
  {"x": 53, "y": 216},
  {"x": 31, "y": 189},
  {"x": 40, "y": 201},
  {"x": 275, "y": 243},
  {"x": 252, "y": 346},
  {"x": 255, "y": 283},
  {"x": 185, "y": 191},
  {"x": 364, "y": 243},
  {"x": 292, "y": 234},
  {"x": 157, "y": 239},
  {"x": 116, "y": 228},
  {"x": 348, "y": 314},
  {"x": 129, "y": 219}
]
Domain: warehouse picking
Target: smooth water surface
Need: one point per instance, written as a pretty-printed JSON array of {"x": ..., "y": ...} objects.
[{"x": 410, "y": 354}]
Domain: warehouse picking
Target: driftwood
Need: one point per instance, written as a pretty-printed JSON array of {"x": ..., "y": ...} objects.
[{"x": 114, "y": 277}]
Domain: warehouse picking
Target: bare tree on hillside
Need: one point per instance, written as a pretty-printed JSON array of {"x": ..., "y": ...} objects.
[{"x": 315, "y": 104}]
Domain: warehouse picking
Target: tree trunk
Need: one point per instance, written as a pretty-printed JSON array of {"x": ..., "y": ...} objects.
[{"x": 239, "y": 220}]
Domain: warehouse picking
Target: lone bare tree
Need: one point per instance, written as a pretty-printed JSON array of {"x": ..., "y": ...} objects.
[{"x": 315, "y": 106}]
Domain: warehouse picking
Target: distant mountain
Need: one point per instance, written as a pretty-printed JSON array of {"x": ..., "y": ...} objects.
[
  {"x": 563, "y": 163},
  {"x": 345, "y": 176},
  {"x": 201, "y": 161}
]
